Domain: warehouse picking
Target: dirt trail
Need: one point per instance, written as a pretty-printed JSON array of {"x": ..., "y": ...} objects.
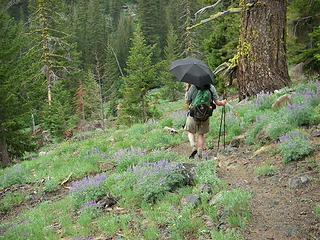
[{"x": 277, "y": 210}]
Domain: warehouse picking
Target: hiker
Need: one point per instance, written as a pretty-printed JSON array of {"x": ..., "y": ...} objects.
[{"x": 193, "y": 124}]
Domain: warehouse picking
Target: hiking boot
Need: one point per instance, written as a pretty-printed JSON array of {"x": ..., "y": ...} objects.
[{"x": 193, "y": 154}]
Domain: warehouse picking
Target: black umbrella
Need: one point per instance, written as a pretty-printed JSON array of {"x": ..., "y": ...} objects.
[{"x": 192, "y": 70}]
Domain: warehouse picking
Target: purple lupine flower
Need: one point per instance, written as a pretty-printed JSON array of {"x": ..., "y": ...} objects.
[{"x": 86, "y": 183}]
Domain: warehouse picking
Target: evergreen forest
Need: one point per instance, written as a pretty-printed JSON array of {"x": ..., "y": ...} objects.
[{"x": 66, "y": 63}]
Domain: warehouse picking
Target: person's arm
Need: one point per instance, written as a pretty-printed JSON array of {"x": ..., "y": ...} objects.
[
  {"x": 215, "y": 97},
  {"x": 188, "y": 95}
]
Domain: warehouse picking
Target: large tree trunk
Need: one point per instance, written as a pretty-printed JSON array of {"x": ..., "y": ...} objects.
[
  {"x": 4, "y": 152},
  {"x": 262, "y": 53}
]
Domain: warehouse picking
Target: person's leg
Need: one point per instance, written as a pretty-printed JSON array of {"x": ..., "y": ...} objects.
[
  {"x": 200, "y": 144},
  {"x": 191, "y": 138},
  {"x": 191, "y": 128}
]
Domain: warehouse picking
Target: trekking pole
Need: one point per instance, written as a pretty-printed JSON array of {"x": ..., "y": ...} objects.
[
  {"x": 220, "y": 129},
  {"x": 224, "y": 122},
  {"x": 223, "y": 116}
]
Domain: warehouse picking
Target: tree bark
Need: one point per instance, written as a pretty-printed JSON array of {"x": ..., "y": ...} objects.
[
  {"x": 4, "y": 152},
  {"x": 262, "y": 63}
]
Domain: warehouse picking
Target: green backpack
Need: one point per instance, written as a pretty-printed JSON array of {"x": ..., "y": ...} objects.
[{"x": 202, "y": 106}]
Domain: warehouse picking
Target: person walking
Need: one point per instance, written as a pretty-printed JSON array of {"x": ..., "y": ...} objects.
[{"x": 193, "y": 125}]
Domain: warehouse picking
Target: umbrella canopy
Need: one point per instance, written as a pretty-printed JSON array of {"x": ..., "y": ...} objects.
[{"x": 192, "y": 70}]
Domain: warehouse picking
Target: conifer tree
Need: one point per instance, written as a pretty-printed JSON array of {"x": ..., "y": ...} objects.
[
  {"x": 14, "y": 107},
  {"x": 56, "y": 59},
  {"x": 152, "y": 20},
  {"x": 170, "y": 86},
  {"x": 91, "y": 97},
  {"x": 112, "y": 81},
  {"x": 139, "y": 79},
  {"x": 120, "y": 39}
]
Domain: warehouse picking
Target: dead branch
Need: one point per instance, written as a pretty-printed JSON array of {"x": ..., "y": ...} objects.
[
  {"x": 117, "y": 61},
  {"x": 202, "y": 10},
  {"x": 215, "y": 16}
]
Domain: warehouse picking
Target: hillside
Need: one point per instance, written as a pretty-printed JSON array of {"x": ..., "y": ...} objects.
[{"x": 138, "y": 183}]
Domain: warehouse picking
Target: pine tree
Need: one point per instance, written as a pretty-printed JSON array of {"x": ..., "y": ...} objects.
[
  {"x": 56, "y": 60},
  {"x": 112, "y": 81},
  {"x": 91, "y": 97},
  {"x": 139, "y": 79},
  {"x": 170, "y": 86},
  {"x": 90, "y": 31},
  {"x": 152, "y": 21},
  {"x": 304, "y": 37},
  {"x": 120, "y": 40},
  {"x": 14, "y": 141}
]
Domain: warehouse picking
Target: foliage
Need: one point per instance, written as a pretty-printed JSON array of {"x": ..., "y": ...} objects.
[
  {"x": 15, "y": 105},
  {"x": 265, "y": 170},
  {"x": 32, "y": 224},
  {"x": 153, "y": 180},
  {"x": 317, "y": 207},
  {"x": 140, "y": 78},
  {"x": 304, "y": 37},
  {"x": 11, "y": 199},
  {"x": 14, "y": 175},
  {"x": 184, "y": 224},
  {"x": 230, "y": 234},
  {"x": 178, "y": 118},
  {"x": 294, "y": 145},
  {"x": 171, "y": 88},
  {"x": 206, "y": 174},
  {"x": 87, "y": 190}
]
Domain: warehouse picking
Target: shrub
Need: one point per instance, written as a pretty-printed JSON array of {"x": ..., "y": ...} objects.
[
  {"x": 278, "y": 128},
  {"x": 206, "y": 174},
  {"x": 299, "y": 113},
  {"x": 235, "y": 201},
  {"x": 263, "y": 100},
  {"x": 13, "y": 175},
  {"x": 87, "y": 189},
  {"x": 233, "y": 123},
  {"x": 179, "y": 118},
  {"x": 90, "y": 208},
  {"x": 317, "y": 210},
  {"x": 230, "y": 234},
  {"x": 155, "y": 180},
  {"x": 128, "y": 157},
  {"x": 265, "y": 170},
  {"x": 184, "y": 224},
  {"x": 294, "y": 145},
  {"x": 152, "y": 180}
]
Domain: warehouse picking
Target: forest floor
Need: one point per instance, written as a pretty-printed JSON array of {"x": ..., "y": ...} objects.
[{"x": 281, "y": 207}]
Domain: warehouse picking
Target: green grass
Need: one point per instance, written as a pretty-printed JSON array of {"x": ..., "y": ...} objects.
[
  {"x": 10, "y": 199},
  {"x": 265, "y": 170},
  {"x": 317, "y": 208}
]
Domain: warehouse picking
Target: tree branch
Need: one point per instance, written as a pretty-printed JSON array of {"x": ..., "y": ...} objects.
[
  {"x": 215, "y": 16},
  {"x": 202, "y": 10},
  {"x": 117, "y": 61}
]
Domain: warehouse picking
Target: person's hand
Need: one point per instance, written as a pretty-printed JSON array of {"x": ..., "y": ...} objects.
[{"x": 221, "y": 103}]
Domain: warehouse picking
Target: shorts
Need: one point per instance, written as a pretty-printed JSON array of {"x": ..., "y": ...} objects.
[{"x": 201, "y": 127}]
